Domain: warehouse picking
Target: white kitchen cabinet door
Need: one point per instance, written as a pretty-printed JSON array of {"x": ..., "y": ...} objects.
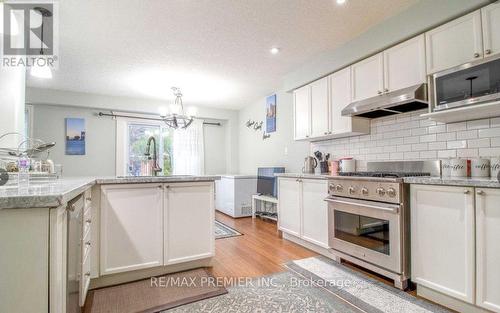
[
  {"x": 488, "y": 248},
  {"x": 457, "y": 42},
  {"x": 315, "y": 211},
  {"x": 189, "y": 222},
  {"x": 319, "y": 108},
  {"x": 340, "y": 97},
  {"x": 442, "y": 239},
  {"x": 404, "y": 64},
  {"x": 289, "y": 216},
  {"x": 302, "y": 109},
  {"x": 58, "y": 259},
  {"x": 367, "y": 78},
  {"x": 131, "y": 226},
  {"x": 490, "y": 16}
]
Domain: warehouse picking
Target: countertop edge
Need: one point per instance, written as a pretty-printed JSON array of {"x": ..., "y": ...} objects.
[{"x": 455, "y": 181}]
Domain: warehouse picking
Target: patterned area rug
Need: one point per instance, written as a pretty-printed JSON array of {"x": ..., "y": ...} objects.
[
  {"x": 224, "y": 231},
  {"x": 359, "y": 290},
  {"x": 282, "y": 292}
]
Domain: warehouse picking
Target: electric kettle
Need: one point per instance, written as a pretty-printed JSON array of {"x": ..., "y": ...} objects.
[{"x": 310, "y": 164}]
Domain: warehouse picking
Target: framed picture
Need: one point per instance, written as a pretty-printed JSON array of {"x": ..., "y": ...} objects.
[
  {"x": 75, "y": 136},
  {"x": 271, "y": 114}
]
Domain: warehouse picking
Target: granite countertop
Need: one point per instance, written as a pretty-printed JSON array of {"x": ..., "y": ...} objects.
[
  {"x": 53, "y": 193},
  {"x": 304, "y": 175},
  {"x": 454, "y": 181}
]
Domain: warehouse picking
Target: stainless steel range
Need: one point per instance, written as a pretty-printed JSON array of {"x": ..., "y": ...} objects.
[{"x": 369, "y": 217}]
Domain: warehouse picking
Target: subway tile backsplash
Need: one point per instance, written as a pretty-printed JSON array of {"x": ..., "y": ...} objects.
[{"x": 411, "y": 137}]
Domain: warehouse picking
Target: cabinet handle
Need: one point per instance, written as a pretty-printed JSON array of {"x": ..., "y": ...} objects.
[
  {"x": 87, "y": 274},
  {"x": 326, "y": 133},
  {"x": 88, "y": 243},
  {"x": 488, "y": 51},
  {"x": 88, "y": 199},
  {"x": 386, "y": 90},
  {"x": 466, "y": 192},
  {"x": 379, "y": 92},
  {"x": 480, "y": 192},
  {"x": 71, "y": 208},
  {"x": 476, "y": 55},
  {"x": 88, "y": 221}
]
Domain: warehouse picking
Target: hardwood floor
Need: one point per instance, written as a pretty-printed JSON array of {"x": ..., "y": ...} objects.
[{"x": 258, "y": 252}]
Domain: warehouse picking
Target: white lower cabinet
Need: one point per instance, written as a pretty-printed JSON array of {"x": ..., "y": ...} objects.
[
  {"x": 289, "y": 194},
  {"x": 187, "y": 234},
  {"x": 488, "y": 248},
  {"x": 131, "y": 227},
  {"x": 302, "y": 211},
  {"x": 315, "y": 211},
  {"x": 454, "y": 243},
  {"x": 150, "y": 225},
  {"x": 442, "y": 239}
]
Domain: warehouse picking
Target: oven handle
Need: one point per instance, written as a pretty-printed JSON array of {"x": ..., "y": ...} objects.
[{"x": 385, "y": 207}]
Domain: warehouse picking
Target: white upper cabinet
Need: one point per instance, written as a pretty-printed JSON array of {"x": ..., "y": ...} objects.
[
  {"x": 319, "y": 108},
  {"x": 443, "y": 240},
  {"x": 488, "y": 249},
  {"x": 491, "y": 29},
  {"x": 404, "y": 64},
  {"x": 315, "y": 211},
  {"x": 340, "y": 96},
  {"x": 367, "y": 78},
  {"x": 457, "y": 42},
  {"x": 131, "y": 227},
  {"x": 302, "y": 108}
]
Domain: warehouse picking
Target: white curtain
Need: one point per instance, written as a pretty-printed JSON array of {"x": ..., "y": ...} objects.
[{"x": 188, "y": 151}]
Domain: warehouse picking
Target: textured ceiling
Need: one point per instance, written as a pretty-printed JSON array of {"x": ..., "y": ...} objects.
[{"x": 217, "y": 51}]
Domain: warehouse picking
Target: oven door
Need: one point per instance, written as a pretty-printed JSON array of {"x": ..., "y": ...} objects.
[{"x": 368, "y": 230}]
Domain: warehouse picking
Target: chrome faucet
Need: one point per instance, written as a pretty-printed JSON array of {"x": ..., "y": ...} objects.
[{"x": 156, "y": 169}]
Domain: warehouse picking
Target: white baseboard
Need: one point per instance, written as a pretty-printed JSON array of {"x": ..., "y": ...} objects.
[{"x": 447, "y": 301}]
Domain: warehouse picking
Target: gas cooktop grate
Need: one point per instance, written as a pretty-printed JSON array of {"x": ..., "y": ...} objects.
[{"x": 384, "y": 174}]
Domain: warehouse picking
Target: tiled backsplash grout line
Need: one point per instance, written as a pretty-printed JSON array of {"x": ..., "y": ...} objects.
[{"x": 411, "y": 137}]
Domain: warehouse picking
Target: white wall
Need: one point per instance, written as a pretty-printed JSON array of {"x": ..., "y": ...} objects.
[
  {"x": 87, "y": 104},
  {"x": 215, "y": 142},
  {"x": 12, "y": 88},
  {"x": 99, "y": 159},
  {"x": 278, "y": 150}
]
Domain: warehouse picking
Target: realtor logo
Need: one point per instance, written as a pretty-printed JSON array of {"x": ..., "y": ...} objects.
[{"x": 29, "y": 33}]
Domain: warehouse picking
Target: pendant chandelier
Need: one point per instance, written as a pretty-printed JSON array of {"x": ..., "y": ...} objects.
[{"x": 174, "y": 120}]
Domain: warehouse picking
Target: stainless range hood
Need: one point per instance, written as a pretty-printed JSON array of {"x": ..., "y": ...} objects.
[{"x": 395, "y": 102}]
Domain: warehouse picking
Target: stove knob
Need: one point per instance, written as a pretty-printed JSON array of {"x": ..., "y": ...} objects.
[
  {"x": 380, "y": 191},
  {"x": 352, "y": 190},
  {"x": 339, "y": 188},
  {"x": 391, "y": 192},
  {"x": 364, "y": 191}
]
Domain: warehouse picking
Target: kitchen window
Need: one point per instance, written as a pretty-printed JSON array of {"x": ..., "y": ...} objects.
[
  {"x": 179, "y": 152},
  {"x": 138, "y": 135}
]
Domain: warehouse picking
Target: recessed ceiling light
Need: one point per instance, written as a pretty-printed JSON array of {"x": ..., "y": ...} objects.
[
  {"x": 341, "y": 1},
  {"x": 275, "y": 50}
]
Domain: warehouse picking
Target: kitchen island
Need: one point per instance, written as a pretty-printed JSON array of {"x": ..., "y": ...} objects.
[{"x": 65, "y": 236}]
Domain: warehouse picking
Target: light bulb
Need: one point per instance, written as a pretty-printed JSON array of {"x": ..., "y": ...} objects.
[{"x": 275, "y": 50}]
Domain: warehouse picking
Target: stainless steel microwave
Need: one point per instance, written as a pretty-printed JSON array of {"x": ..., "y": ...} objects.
[{"x": 466, "y": 85}]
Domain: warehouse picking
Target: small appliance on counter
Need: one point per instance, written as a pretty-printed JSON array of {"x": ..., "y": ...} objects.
[
  {"x": 310, "y": 165},
  {"x": 347, "y": 165}
]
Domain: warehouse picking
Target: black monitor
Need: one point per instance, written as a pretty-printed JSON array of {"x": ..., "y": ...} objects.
[{"x": 266, "y": 181}]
